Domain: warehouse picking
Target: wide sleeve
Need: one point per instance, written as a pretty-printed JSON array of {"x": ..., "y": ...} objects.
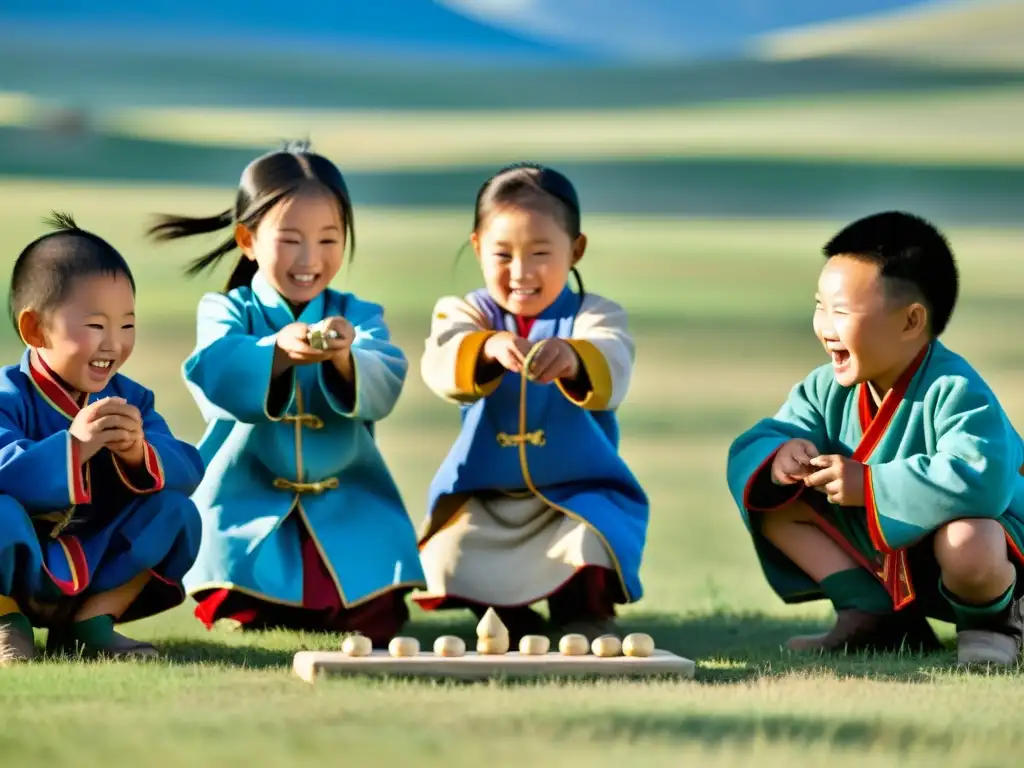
[
  {"x": 458, "y": 332},
  {"x": 229, "y": 372},
  {"x": 972, "y": 473},
  {"x": 751, "y": 454},
  {"x": 168, "y": 462},
  {"x": 379, "y": 367},
  {"x": 601, "y": 339},
  {"x": 42, "y": 475}
]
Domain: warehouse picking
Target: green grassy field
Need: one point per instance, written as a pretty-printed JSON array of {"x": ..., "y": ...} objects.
[{"x": 721, "y": 312}]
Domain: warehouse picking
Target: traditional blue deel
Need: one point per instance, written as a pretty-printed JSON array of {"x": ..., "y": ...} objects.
[
  {"x": 315, "y": 457},
  {"x": 68, "y": 529},
  {"x": 526, "y": 435}
]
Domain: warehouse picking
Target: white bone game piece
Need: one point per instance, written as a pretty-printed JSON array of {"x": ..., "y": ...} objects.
[
  {"x": 574, "y": 645},
  {"x": 606, "y": 646},
  {"x": 490, "y": 626},
  {"x": 534, "y": 645},
  {"x": 356, "y": 645},
  {"x": 638, "y": 645},
  {"x": 449, "y": 646},
  {"x": 404, "y": 646},
  {"x": 492, "y": 646},
  {"x": 317, "y": 337}
]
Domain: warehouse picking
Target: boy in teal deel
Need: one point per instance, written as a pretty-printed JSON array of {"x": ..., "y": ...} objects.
[{"x": 890, "y": 482}]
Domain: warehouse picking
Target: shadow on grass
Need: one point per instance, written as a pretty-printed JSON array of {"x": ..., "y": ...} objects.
[
  {"x": 738, "y": 730},
  {"x": 215, "y": 652},
  {"x": 276, "y": 648},
  {"x": 733, "y": 648},
  {"x": 728, "y": 648}
]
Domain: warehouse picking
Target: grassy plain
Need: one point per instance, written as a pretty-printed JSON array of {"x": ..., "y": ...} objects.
[
  {"x": 968, "y": 125},
  {"x": 721, "y": 312}
]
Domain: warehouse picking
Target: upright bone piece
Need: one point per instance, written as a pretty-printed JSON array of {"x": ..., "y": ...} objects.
[{"x": 490, "y": 627}]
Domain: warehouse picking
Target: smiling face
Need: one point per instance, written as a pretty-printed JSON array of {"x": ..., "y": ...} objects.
[
  {"x": 871, "y": 336},
  {"x": 299, "y": 245},
  {"x": 89, "y": 336},
  {"x": 525, "y": 256}
]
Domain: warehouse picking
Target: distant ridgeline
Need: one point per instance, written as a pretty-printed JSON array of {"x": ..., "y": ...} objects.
[
  {"x": 89, "y": 58},
  {"x": 435, "y": 54},
  {"x": 704, "y": 187}
]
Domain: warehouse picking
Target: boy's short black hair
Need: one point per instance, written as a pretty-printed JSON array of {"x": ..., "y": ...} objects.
[
  {"x": 913, "y": 257},
  {"x": 47, "y": 269}
]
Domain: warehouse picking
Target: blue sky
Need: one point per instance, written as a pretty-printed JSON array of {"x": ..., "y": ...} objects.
[{"x": 560, "y": 29}]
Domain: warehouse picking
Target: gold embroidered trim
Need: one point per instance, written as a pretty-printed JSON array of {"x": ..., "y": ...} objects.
[
  {"x": 310, "y": 420},
  {"x": 537, "y": 438},
  {"x": 318, "y": 487}
]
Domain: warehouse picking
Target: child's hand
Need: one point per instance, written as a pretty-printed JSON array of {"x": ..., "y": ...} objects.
[
  {"x": 840, "y": 478},
  {"x": 555, "y": 360},
  {"x": 792, "y": 461},
  {"x": 506, "y": 349},
  {"x": 106, "y": 422},
  {"x": 293, "y": 349},
  {"x": 130, "y": 449},
  {"x": 338, "y": 334}
]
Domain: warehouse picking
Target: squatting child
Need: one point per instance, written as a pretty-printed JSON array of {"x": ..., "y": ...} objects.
[
  {"x": 534, "y": 501},
  {"x": 303, "y": 526},
  {"x": 890, "y": 480},
  {"x": 96, "y": 525}
]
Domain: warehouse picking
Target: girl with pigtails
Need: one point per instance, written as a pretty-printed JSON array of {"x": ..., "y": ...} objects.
[{"x": 303, "y": 525}]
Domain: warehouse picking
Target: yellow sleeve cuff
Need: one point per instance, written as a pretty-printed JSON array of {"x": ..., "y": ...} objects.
[
  {"x": 600, "y": 375},
  {"x": 8, "y": 605},
  {"x": 466, "y": 360}
]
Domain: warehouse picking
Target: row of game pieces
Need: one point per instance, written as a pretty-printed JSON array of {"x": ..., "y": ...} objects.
[
  {"x": 637, "y": 645},
  {"x": 493, "y": 640}
]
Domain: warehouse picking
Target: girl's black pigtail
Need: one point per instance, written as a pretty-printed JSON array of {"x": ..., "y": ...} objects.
[
  {"x": 174, "y": 227},
  {"x": 170, "y": 227}
]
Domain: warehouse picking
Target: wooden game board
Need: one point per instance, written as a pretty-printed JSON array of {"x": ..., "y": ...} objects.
[{"x": 309, "y": 665}]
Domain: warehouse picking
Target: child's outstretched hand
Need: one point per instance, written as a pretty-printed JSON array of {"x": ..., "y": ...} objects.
[
  {"x": 337, "y": 335},
  {"x": 840, "y": 478},
  {"x": 793, "y": 461},
  {"x": 293, "y": 349},
  {"x": 506, "y": 349},
  {"x": 555, "y": 360}
]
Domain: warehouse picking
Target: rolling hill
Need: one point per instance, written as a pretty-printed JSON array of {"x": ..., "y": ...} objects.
[{"x": 978, "y": 33}]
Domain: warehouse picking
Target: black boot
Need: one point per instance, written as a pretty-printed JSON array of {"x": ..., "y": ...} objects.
[{"x": 856, "y": 630}]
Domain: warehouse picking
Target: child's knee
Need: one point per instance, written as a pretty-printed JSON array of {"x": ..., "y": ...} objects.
[
  {"x": 176, "y": 505},
  {"x": 794, "y": 512},
  {"x": 172, "y": 498},
  {"x": 13, "y": 515},
  {"x": 191, "y": 518},
  {"x": 972, "y": 552}
]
